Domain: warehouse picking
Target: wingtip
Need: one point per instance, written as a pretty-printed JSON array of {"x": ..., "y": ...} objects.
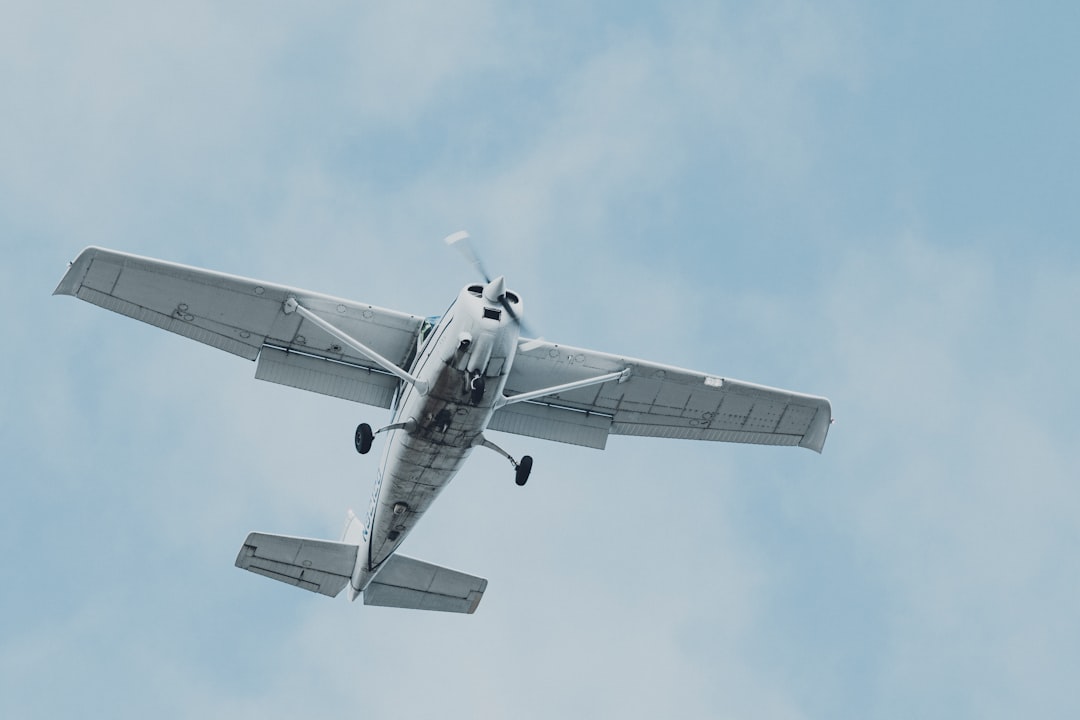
[
  {"x": 66, "y": 286},
  {"x": 69, "y": 284}
]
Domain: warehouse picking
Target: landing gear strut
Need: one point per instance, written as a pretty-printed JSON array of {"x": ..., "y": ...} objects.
[{"x": 364, "y": 435}]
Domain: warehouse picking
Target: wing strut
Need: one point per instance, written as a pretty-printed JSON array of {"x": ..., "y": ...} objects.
[
  {"x": 620, "y": 375},
  {"x": 291, "y": 306}
]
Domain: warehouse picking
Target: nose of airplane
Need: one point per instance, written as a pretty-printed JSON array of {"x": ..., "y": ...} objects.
[{"x": 495, "y": 289}]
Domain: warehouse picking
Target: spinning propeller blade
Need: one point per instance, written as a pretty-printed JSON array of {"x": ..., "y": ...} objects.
[{"x": 460, "y": 240}]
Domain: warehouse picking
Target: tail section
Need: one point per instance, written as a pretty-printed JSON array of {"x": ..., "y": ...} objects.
[
  {"x": 325, "y": 567},
  {"x": 353, "y": 532}
]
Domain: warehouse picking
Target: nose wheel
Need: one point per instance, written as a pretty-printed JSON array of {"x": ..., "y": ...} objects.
[{"x": 476, "y": 389}]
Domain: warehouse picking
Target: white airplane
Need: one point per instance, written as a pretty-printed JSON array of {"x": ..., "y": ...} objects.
[{"x": 448, "y": 379}]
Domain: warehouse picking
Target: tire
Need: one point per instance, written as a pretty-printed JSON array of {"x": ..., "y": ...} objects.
[
  {"x": 524, "y": 468},
  {"x": 364, "y": 438}
]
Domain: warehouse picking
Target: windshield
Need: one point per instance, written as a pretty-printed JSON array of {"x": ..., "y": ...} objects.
[{"x": 429, "y": 325}]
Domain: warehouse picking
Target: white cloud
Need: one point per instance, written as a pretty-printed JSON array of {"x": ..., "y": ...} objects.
[{"x": 968, "y": 511}]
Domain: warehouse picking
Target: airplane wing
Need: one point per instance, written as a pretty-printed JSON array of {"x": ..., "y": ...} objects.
[
  {"x": 655, "y": 401},
  {"x": 245, "y": 317}
]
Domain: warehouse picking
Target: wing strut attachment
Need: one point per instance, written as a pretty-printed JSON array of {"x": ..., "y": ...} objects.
[
  {"x": 291, "y": 306},
  {"x": 620, "y": 375}
]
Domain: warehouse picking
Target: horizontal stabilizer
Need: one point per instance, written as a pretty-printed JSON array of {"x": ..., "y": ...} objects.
[
  {"x": 407, "y": 583},
  {"x": 317, "y": 565}
]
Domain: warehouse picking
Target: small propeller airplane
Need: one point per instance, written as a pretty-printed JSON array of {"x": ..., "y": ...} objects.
[{"x": 448, "y": 380}]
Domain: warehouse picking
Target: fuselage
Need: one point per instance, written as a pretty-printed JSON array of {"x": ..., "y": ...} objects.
[{"x": 461, "y": 367}]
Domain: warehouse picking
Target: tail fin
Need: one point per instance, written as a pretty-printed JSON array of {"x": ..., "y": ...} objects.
[
  {"x": 353, "y": 532},
  {"x": 317, "y": 565},
  {"x": 407, "y": 583}
]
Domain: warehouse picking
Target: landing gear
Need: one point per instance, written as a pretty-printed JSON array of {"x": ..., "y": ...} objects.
[
  {"x": 476, "y": 389},
  {"x": 522, "y": 470},
  {"x": 364, "y": 437}
]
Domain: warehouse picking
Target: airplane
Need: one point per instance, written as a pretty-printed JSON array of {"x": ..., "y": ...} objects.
[{"x": 448, "y": 380}]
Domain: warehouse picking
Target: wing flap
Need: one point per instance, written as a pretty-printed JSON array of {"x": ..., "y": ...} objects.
[
  {"x": 553, "y": 423},
  {"x": 319, "y": 566},
  {"x": 405, "y": 582},
  {"x": 341, "y": 380}
]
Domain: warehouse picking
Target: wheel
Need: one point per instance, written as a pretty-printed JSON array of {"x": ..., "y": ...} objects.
[
  {"x": 521, "y": 474},
  {"x": 364, "y": 437},
  {"x": 476, "y": 393}
]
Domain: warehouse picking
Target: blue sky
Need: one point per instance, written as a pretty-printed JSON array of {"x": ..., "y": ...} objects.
[{"x": 876, "y": 204}]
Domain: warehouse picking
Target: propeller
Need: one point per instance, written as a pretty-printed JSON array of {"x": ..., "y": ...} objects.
[{"x": 460, "y": 240}]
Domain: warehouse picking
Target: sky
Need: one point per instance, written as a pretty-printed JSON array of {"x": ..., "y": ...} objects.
[{"x": 872, "y": 202}]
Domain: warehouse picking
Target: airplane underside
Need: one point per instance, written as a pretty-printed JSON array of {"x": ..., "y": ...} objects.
[{"x": 435, "y": 433}]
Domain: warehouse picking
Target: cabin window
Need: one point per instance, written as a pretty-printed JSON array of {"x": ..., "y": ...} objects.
[{"x": 427, "y": 327}]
